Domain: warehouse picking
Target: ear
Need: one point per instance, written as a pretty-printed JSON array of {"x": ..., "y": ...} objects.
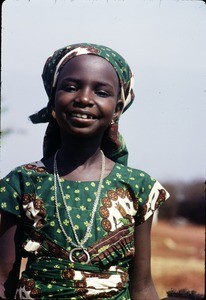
[
  {"x": 53, "y": 113},
  {"x": 118, "y": 109}
]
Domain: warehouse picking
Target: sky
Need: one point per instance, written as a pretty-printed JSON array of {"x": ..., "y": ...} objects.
[{"x": 164, "y": 43}]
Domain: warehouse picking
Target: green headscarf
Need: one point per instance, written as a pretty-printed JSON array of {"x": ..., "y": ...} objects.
[{"x": 112, "y": 144}]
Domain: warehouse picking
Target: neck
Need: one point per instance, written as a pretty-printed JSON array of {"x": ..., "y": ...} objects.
[
  {"x": 78, "y": 153},
  {"x": 79, "y": 159}
]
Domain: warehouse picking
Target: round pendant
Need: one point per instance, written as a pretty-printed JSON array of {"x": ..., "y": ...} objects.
[{"x": 71, "y": 257}]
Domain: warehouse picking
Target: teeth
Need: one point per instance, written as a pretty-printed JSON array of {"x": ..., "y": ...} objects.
[{"x": 82, "y": 116}]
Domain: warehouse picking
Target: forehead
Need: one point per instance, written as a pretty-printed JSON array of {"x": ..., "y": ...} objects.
[{"x": 90, "y": 66}]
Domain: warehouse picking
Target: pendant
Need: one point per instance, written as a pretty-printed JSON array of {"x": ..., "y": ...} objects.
[{"x": 71, "y": 257}]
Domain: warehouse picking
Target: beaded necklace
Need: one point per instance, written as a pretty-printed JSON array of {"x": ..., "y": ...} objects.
[{"x": 79, "y": 245}]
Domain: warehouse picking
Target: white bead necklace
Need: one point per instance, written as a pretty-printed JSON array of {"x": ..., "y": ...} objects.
[{"x": 79, "y": 245}]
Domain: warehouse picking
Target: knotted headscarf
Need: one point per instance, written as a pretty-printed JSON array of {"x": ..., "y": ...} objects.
[{"x": 112, "y": 144}]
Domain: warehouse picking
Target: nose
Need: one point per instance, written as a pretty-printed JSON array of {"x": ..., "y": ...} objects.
[{"x": 84, "y": 98}]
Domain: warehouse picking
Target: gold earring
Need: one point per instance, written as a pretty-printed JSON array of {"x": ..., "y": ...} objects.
[{"x": 53, "y": 114}]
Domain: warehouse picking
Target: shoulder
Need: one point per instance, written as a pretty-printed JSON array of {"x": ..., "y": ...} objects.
[
  {"x": 148, "y": 190},
  {"x": 36, "y": 166},
  {"x": 138, "y": 182},
  {"x": 24, "y": 171},
  {"x": 133, "y": 175}
]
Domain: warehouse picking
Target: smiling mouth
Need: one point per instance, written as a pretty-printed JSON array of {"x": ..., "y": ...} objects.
[{"x": 83, "y": 116}]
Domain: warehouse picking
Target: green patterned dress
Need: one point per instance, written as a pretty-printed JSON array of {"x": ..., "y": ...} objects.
[{"x": 128, "y": 198}]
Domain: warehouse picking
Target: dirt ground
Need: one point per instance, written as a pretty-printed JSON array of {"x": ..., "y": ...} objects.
[{"x": 178, "y": 257}]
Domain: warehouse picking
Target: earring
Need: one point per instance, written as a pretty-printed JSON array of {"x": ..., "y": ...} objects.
[
  {"x": 112, "y": 122},
  {"x": 53, "y": 114}
]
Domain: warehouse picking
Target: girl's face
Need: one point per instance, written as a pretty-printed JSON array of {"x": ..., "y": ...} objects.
[{"x": 86, "y": 99}]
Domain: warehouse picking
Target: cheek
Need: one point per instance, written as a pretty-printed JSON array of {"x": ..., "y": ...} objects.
[
  {"x": 60, "y": 100},
  {"x": 113, "y": 108},
  {"x": 108, "y": 111},
  {"x": 109, "y": 104}
]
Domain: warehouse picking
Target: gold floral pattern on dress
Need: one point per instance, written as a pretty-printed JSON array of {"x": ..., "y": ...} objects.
[
  {"x": 112, "y": 195},
  {"x": 104, "y": 212},
  {"x": 68, "y": 274},
  {"x": 106, "y": 202},
  {"x": 117, "y": 209},
  {"x": 106, "y": 224},
  {"x": 35, "y": 211},
  {"x": 34, "y": 208},
  {"x": 84, "y": 283},
  {"x": 34, "y": 168},
  {"x": 161, "y": 198},
  {"x": 156, "y": 197},
  {"x": 120, "y": 192},
  {"x": 27, "y": 289}
]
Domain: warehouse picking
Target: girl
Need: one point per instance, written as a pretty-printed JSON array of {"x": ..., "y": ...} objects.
[{"x": 80, "y": 215}]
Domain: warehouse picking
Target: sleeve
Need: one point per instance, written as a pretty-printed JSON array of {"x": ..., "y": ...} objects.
[
  {"x": 152, "y": 195},
  {"x": 10, "y": 193}
]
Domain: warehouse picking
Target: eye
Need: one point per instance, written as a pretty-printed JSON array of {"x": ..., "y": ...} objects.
[
  {"x": 102, "y": 93},
  {"x": 70, "y": 88}
]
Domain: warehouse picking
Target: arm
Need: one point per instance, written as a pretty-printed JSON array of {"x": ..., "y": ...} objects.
[
  {"x": 9, "y": 255},
  {"x": 141, "y": 283}
]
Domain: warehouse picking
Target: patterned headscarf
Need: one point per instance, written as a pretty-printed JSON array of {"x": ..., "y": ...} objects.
[{"x": 112, "y": 144}]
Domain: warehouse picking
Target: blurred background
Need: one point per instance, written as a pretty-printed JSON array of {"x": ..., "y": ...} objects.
[{"x": 164, "y": 43}]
